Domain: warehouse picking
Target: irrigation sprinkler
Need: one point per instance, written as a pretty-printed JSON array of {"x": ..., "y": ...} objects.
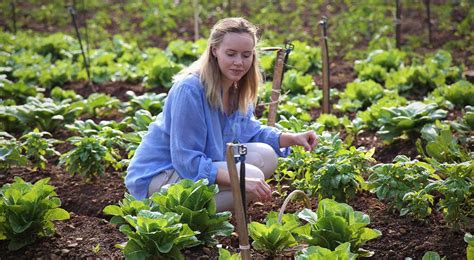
[
  {"x": 72, "y": 11},
  {"x": 278, "y": 72},
  {"x": 326, "y": 70},
  {"x": 398, "y": 24},
  {"x": 239, "y": 207}
]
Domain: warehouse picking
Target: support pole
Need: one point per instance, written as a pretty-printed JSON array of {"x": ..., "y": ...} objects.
[
  {"x": 326, "y": 70},
  {"x": 428, "y": 19},
  {"x": 276, "y": 87},
  {"x": 13, "y": 6},
  {"x": 398, "y": 24},
  {"x": 240, "y": 217},
  {"x": 72, "y": 11},
  {"x": 196, "y": 19}
]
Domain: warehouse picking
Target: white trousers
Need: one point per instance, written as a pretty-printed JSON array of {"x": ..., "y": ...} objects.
[{"x": 261, "y": 162}]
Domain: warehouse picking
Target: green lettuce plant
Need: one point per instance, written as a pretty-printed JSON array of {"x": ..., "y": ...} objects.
[
  {"x": 42, "y": 113},
  {"x": 273, "y": 236},
  {"x": 151, "y": 102},
  {"x": 195, "y": 202},
  {"x": 226, "y": 255},
  {"x": 341, "y": 252},
  {"x": 27, "y": 211},
  {"x": 153, "y": 235},
  {"x": 128, "y": 206},
  {"x": 409, "y": 119},
  {"x": 470, "y": 246},
  {"x": 359, "y": 95},
  {"x": 334, "y": 224}
]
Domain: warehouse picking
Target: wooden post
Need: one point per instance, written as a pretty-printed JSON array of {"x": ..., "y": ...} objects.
[
  {"x": 398, "y": 24},
  {"x": 428, "y": 20},
  {"x": 196, "y": 19},
  {"x": 240, "y": 218},
  {"x": 326, "y": 70},
  {"x": 13, "y": 6},
  {"x": 276, "y": 86}
]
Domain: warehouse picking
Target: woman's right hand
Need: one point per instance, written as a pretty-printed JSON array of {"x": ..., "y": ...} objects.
[{"x": 258, "y": 189}]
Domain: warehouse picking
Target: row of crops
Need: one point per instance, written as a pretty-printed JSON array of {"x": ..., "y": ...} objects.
[{"x": 396, "y": 95}]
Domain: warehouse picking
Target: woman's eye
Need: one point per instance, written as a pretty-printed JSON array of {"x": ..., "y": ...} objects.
[{"x": 230, "y": 54}]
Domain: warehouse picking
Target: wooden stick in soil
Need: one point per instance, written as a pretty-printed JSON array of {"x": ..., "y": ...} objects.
[
  {"x": 428, "y": 19},
  {"x": 398, "y": 24},
  {"x": 276, "y": 86},
  {"x": 326, "y": 72},
  {"x": 240, "y": 217},
  {"x": 13, "y": 6},
  {"x": 196, "y": 19}
]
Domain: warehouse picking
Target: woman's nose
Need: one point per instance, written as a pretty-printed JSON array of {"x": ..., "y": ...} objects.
[{"x": 238, "y": 61}]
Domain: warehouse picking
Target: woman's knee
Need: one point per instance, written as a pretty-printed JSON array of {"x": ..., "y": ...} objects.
[{"x": 263, "y": 156}]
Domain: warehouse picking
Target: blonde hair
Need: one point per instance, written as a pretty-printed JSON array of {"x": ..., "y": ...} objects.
[{"x": 208, "y": 68}]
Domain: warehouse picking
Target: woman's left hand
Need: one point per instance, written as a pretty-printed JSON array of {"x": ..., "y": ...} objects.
[{"x": 307, "y": 139}]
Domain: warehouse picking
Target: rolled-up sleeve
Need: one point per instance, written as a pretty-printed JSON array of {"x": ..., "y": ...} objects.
[
  {"x": 256, "y": 132},
  {"x": 188, "y": 134}
]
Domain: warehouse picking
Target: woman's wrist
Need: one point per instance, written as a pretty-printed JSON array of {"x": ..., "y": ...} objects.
[{"x": 287, "y": 140}]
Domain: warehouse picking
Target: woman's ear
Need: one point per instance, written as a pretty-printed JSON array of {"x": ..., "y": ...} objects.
[{"x": 213, "y": 51}]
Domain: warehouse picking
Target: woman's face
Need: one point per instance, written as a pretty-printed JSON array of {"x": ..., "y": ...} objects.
[{"x": 234, "y": 56}]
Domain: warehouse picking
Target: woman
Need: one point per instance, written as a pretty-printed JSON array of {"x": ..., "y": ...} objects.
[{"x": 211, "y": 104}]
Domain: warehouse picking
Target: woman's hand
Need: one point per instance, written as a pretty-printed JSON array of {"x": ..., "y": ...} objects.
[
  {"x": 307, "y": 139},
  {"x": 258, "y": 189}
]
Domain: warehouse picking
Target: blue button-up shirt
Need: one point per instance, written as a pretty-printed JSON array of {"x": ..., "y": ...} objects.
[{"x": 189, "y": 135}]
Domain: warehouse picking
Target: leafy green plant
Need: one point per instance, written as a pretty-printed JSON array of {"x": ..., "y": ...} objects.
[
  {"x": 388, "y": 60},
  {"x": 273, "y": 236},
  {"x": 470, "y": 246},
  {"x": 341, "y": 252},
  {"x": 37, "y": 147},
  {"x": 226, "y": 255},
  {"x": 297, "y": 83},
  {"x": 393, "y": 181},
  {"x": 10, "y": 152},
  {"x": 42, "y": 113},
  {"x": 149, "y": 101},
  {"x": 457, "y": 189},
  {"x": 359, "y": 95},
  {"x": 334, "y": 224},
  {"x": 186, "y": 52},
  {"x": 372, "y": 114},
  {"x": 100, "y": 104},
  {"x": 407, "y": 120},
  {"x": 128, "y": 206},
  {"x": 460, "y": 94},
  {"x": 329, "y": 121},
  {"x": 17, "y": 91},
  {"x": 89, "y": 158},
  {"x": 430, "y": 255},
  {"x": 155, "y": 235},
  {"x": 441, "y": 144},
  {"x": 333, "y": 170},
  {"x": 195, "y": 202},
  {"x": 158, "y": 68},
  {"x": 27, "y": 211}
]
